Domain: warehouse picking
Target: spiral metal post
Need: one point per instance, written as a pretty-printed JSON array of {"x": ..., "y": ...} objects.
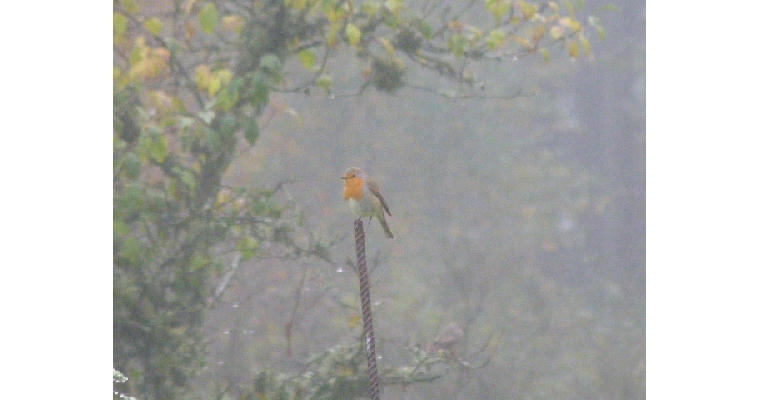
[{"x": 369, "y": 333}]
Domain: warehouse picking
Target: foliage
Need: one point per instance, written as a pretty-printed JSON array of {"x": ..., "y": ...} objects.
[
  {"x": 340, "y": 373},
  {"x": 191, "y": 80}
]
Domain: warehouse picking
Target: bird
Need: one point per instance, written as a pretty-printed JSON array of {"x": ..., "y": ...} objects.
[
  {"x": 447, "y": 339},
  {"x": 363, "y": 196}
]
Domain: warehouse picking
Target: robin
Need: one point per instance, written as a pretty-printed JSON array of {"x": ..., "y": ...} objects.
[{"x": 364, "y": 198}]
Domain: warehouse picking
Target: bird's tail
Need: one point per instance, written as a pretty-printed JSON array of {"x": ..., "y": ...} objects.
[{"x": 386, "y": 228}]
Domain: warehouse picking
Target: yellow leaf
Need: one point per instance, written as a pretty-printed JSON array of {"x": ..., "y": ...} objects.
[
  {"x": 554, "y": 6},
  {"x": 538, "y": 33},
  {"x": 370, "y": 8},
  {"x": 224, "y": 196},
  {"x": 120, "y": 25},
  {"x": 225, "y": 75},
  {"x": 214, "y": 84},
  {"x": 394, "y": 6},
  {"x": 571, "y": 23},
  {"x": 557, "y": 32},
  {"x": 189, "y": 6},
  {"x": 476, "y": 33},
  {"x": 585, "y": 43},
  {"x": 336, "y": 16},
  {"x": 120, "y": 78},
  {"x": 296, "y": 4},
  {"x": 498, "y": 8},
  {"x": 130, "y": 6},
  {"x": 159, "y": 100},
  {"x": 154, "y": 26},
  {"x": 162, "y": 53},
  {"x": 308, "y": 59},
  {"x": 148, "y": 63},
  {"x": 387, "y": 44},
  {"x": 528, "y": 10},
  {"x": 208, "y": 17},
  {"x": 239, "y": 205},
  {"x": 570, "y": 7},
  {"x": 232, "y": 23},
  {"x": 573, "y": 50},
  {"x": 523, "y": 41},
  {"x": 495, "y": 39},
  {"x": 354, "y": 34},
  {"x": 332, "y": 37},
  {"x": 202, "y": 76},
  {"x": 325, "y": 82},
  {"x": 139, "y": 50}
]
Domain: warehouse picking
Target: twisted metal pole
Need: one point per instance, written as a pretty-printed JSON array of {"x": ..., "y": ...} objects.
[{"x": 369, "y": 332}]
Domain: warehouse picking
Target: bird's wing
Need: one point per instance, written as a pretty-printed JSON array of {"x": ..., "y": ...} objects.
[{"x": 372, "y": 185}]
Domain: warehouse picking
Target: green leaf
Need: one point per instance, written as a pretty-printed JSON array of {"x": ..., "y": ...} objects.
[
  {"x": 186, "y": 177},
  {"x": 208, "y": 17},
  {"x": 354, "y": 34},
  {"x": 271, "y": 62},
  {"x": 155, "y": 145},
  {"x": 225, "y": 75},
  {"x": 130, "y": 6},
  {"x": 495, "y": 39},
  {"x": 120, "y": 23},
  {"x": 394, "y": 6},
  {"x": 308, "y": 59},
  {"x": 259, "y": 95},
  {"x": 325, "y": 82},
  {"x": 426, "y": 29},
  {"x": 527, "y": 9},
  {"x": 228, "y": 124},
  {"x": 272, "y": 65},
  {"x": 133, "y": 197},
  {"x": 248, "y": 247},
  {"x": 230, "y": 95},
  {"x": 199, "y": 262},
  {"x": 251, "y": 130},
  {"x": 131, "y": 165},
  {"x": 131, "y": 249},
  {"x": 120, "y": 228},
  {"x": 213, "y": 140},
  {"x": 498, "y": 8},
  {"x": 370, "y": 8},
  {"x": 160, "y": 149},
  {"x": 154, "y": 26},
  {"x": 456, "y": 44}
]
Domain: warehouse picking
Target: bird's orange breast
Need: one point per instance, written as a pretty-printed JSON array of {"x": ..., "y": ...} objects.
[{"x": 353, "y": 189}]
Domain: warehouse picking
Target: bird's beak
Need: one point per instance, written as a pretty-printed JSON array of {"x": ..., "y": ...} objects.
[{"x": 342, "y": 177}]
